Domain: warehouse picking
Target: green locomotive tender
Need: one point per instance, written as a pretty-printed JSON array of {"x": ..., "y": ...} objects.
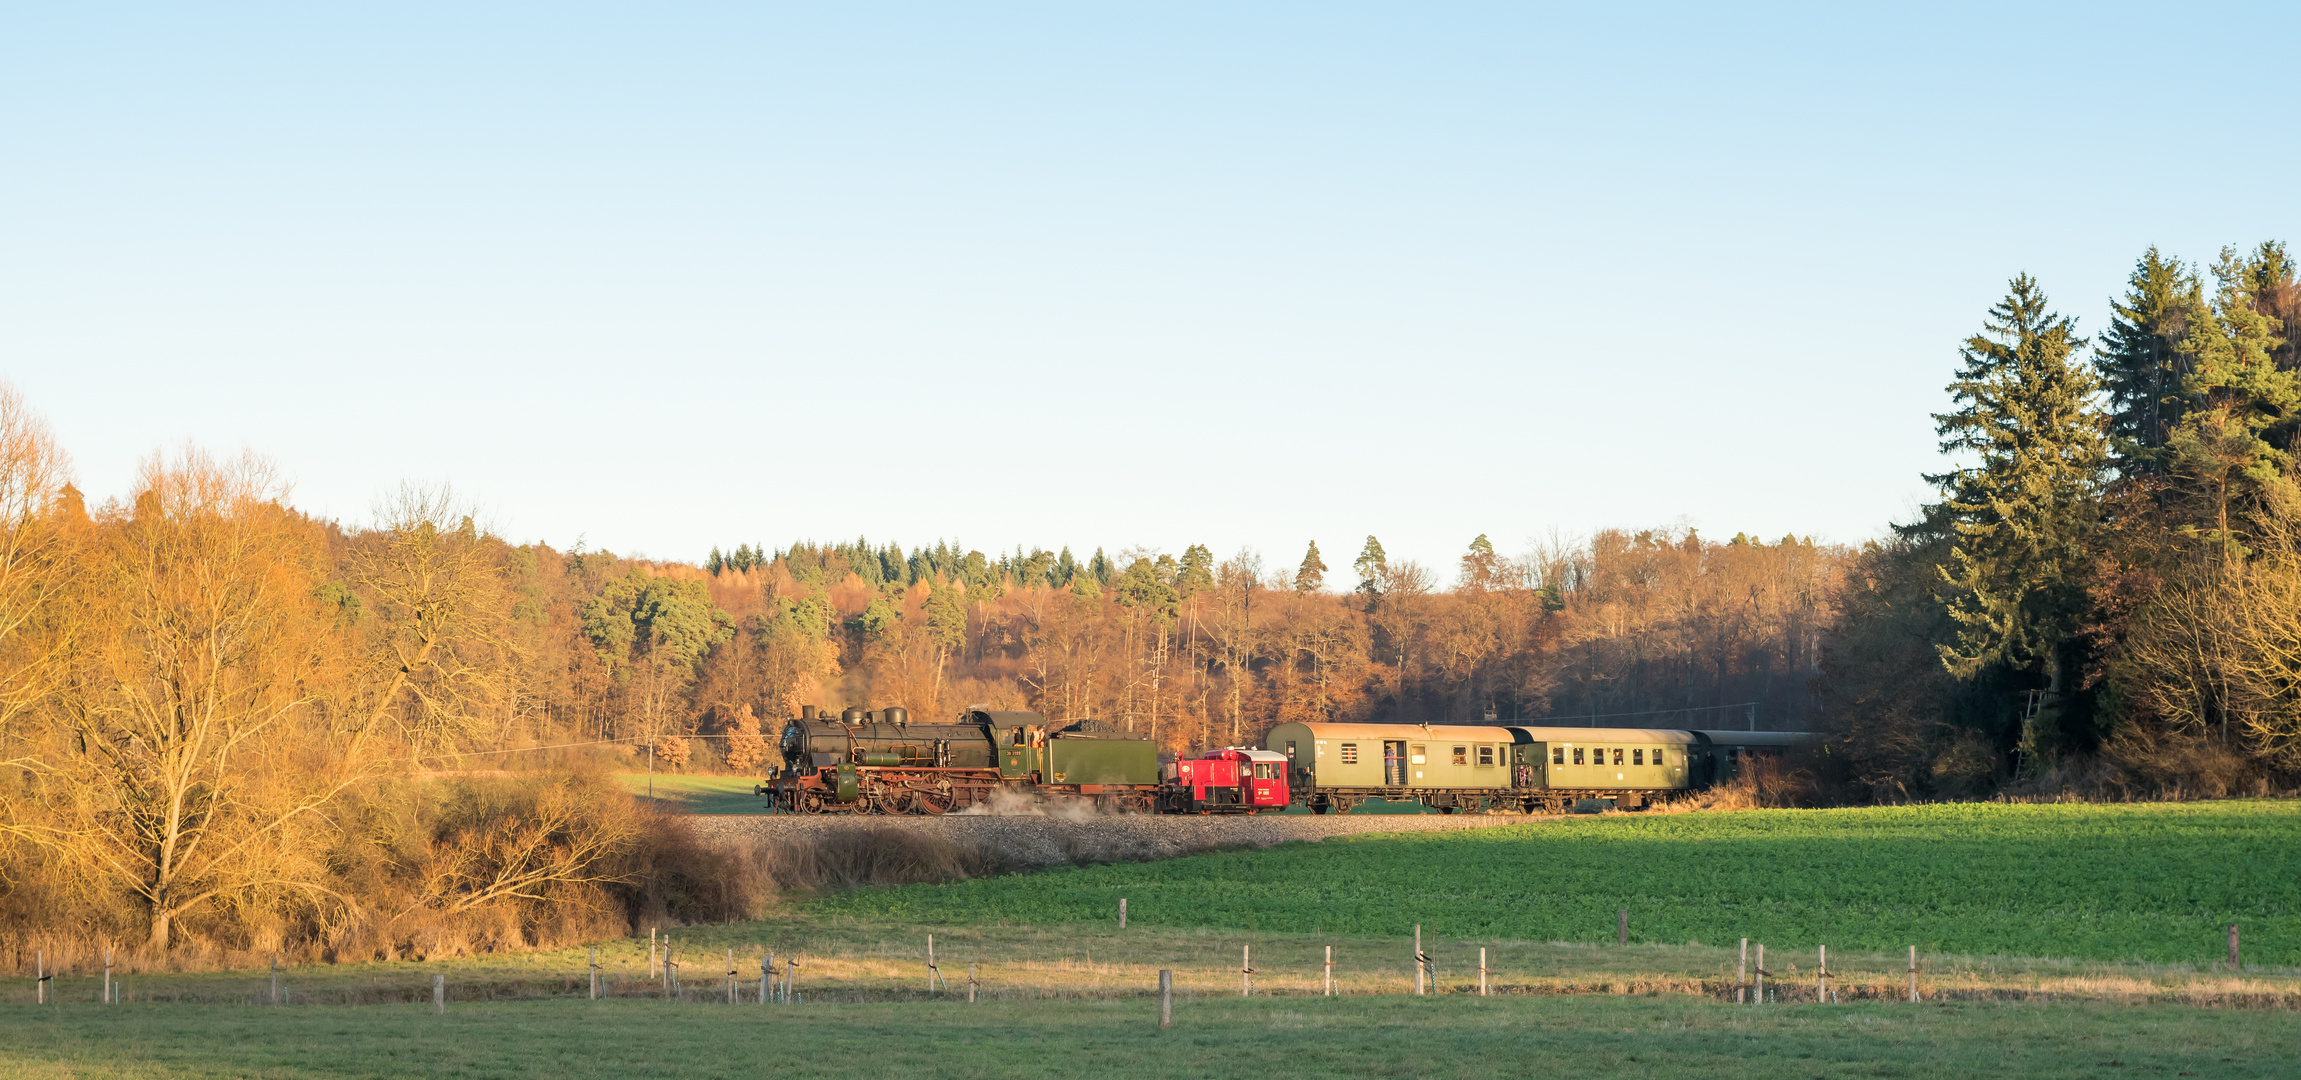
[
  {"x": 880, "y": 763},
  {"x": 1527, "y": 769}
]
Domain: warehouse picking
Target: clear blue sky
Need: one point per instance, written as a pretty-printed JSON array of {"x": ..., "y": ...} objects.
[{"x": 664, "y": 276}]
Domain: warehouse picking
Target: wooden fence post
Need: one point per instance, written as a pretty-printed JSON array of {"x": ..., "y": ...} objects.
[
  {"x": 1122, "y": 913},
  {"x": 935, "y": 983},
  {"x": 439, "y": 995},
  {"x": 1165, "y": 994},
  {"x": 1418, "y": 958},
  {"x": 275, "y": 979},
  {"x": 766, "y": 977},
  {"x": 651, "y": 969},
  {"x": 1761, "y": 971},
  {"x": 2233, "y": 964},
  {"x": 790, "y": 978},
  {"x": 108, "y": 992},
  {"x": 1246, "y": 971},
  {"x": 1742, "y": 974},
  {"x": 591, "y": 969},
  {"x": 972, "y": 982},
  {"x": 730, "y": 976},
  {"x": 40, "y": 976},
  {"x": 1622, "y": 927},
  {"x": 1330, "y": 971},
  {"x": 1822, "y": 977},
  {"x": 1913, "y": 974},
  {"x": 1482, "y": 971}
]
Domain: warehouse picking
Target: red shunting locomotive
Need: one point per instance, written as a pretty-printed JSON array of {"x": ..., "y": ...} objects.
[{"x": 1232, "y": 780}]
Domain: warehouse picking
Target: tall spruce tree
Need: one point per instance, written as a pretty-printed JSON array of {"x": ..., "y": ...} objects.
[
  {"x": 2227, "y": 455},
  {"x": 2270, "y": 284},
  {"x": 2140, "y": 360},
  {"x": 2020, "y": 518}
]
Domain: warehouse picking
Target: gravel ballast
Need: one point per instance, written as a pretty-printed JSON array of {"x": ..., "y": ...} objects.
[{"x": 1053, "y": 840}]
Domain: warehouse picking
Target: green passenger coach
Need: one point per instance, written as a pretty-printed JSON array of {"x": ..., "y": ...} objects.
[{"x": 1503, "y": 767}]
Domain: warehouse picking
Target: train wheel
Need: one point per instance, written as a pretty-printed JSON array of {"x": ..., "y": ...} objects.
[
  {"x": 1319, "y": 808},
  {"x": 810, "y": 803},
  {"x": 930, "y": 803}
]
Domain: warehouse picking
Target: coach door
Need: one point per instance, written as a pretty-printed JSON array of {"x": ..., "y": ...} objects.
[{"x": 1393, "y": 763}]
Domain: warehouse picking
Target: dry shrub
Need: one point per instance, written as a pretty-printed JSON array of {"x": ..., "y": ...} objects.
[
  {"x": 1764, "y": 782},
  {"x": 2173, "y": 765},
  {"x": 885, "y": 856}
]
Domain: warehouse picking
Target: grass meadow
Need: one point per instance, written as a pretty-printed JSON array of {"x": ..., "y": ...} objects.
[
  {"x": 2062, "y": 940},
  {"x": 2152, "y": 882},
  {"x": 1642, "y": 1037}
]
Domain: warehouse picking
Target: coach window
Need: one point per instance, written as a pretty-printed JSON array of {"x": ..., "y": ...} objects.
[
  {"x": 1557, "y": 755},
  {"x": 1657, "y": 757},
  {"x": 1462, "y": 755},
  {"x": 1486, "y": 757},
  {"x": 1577, "y": 755},
  {"x": 1637, "y": 757},
  {"x": 1350, "y": 753},
  {"x": 1617, "y": 755}
]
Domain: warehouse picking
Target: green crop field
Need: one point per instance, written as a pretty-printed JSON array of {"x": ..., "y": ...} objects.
[
  {"x": 1643, "y": 1037},
  {"x": 2142, "y": 882}
]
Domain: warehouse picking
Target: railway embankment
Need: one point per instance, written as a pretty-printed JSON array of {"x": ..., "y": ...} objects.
[{"x": 1040, "y": 840}]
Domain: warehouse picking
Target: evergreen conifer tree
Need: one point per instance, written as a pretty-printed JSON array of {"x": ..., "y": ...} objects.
[
  {"x": 2140, "y": 359},
  {"x": 716, "y": 561},
  {"x": 1311, "y": 575},
  {"x": 2021, "y": 517},
  {"x": 2226, "y": 456},
  {"x": 1370, "y": 564},
  {"x": 2271, "y": 286},
  {"x": 1197, "y": 572}
]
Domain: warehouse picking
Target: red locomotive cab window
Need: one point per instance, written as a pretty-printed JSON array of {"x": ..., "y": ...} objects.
[{"x": 1264, "y": 770}]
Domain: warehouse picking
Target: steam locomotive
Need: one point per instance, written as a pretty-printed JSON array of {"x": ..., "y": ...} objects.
[{"x": 879, "y": 762}]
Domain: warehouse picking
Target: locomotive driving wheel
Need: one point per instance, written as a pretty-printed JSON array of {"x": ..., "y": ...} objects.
[
  {"x": 810, "y": 803},
  {"x": 930, "y": 802}
]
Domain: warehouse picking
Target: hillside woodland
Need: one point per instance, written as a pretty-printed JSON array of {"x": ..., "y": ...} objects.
[{"x": 230, "y": 728}]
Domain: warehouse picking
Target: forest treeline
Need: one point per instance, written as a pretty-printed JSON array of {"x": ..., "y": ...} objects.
[
  {"x": 2106, "y": 599},
  {"x": 230, "y": 727}
]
